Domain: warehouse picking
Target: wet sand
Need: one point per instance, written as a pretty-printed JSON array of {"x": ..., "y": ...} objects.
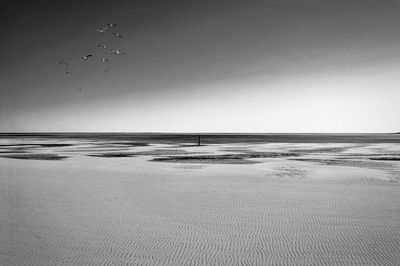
[{"x": 125, "y": 200}]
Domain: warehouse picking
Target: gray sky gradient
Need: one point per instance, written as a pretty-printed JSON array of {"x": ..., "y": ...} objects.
[{"x": 203, "y": 66}]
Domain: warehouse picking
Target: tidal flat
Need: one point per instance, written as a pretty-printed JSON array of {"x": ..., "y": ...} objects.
[{"x": 237, "y": 199}]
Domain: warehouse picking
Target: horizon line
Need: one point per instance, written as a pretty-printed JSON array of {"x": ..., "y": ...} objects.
[{"x": 184, "y": 133}]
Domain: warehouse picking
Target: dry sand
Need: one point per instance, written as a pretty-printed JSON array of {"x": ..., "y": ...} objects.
[{"x": 329, "y": 203}]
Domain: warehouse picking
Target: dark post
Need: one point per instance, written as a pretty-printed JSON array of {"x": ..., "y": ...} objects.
[{"x": 198, "y": 140}]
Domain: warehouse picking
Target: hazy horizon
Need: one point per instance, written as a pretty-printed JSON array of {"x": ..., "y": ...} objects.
[
  {"x": 227, "y": 66},
  {"x": 187, "y": 132}
]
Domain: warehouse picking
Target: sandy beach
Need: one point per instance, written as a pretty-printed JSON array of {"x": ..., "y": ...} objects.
[
  {"x": 207, "y": 132},
  {"x": 102, "y": 201}
]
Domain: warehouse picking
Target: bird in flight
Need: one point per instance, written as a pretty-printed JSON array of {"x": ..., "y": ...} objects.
[
  {"x": 79, "y": 88},
  {"x": 118, "y": 35},
  {"x": 118, "y": 52},
  {"x": 68, "y": 72},
  {"x": 103, "y": 30},
  {"x": 105, "y": 70},
  {"x": 111, "y": 25},
  {"x": 104, "y": 60},
  {"x": 63, "y": 63},
  {"x": 86, "y": 57},
  {"x": 115, "y": 52},
  {"x": 101, "y": 45}
]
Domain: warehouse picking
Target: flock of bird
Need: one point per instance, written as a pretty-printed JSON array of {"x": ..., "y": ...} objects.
[{"x": 113, "y": 52}]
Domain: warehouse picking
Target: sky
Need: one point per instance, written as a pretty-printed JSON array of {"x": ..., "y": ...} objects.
[{"x": 201, "y": 66}]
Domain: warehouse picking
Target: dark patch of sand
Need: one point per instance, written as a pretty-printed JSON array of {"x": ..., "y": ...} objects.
[
  {"x": 112, "y": 155},
  {"x": 351, "y": 163},
  {"x": 211, "y": 159},
  {"x": 130, "y": 144},
  {"x": 321, "y": 150},
  {"x": 240, "y": 158},
  {"x": 157, "y": 152},
  {"x": 385, "y": 158},
  {"x": 34, "y": 156},
  {"x": 262, "y": 154},
  {"x": 289, "y": 173},
  {"x": 12, "y": 151},
  {"x": 35, "y": 145}
]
